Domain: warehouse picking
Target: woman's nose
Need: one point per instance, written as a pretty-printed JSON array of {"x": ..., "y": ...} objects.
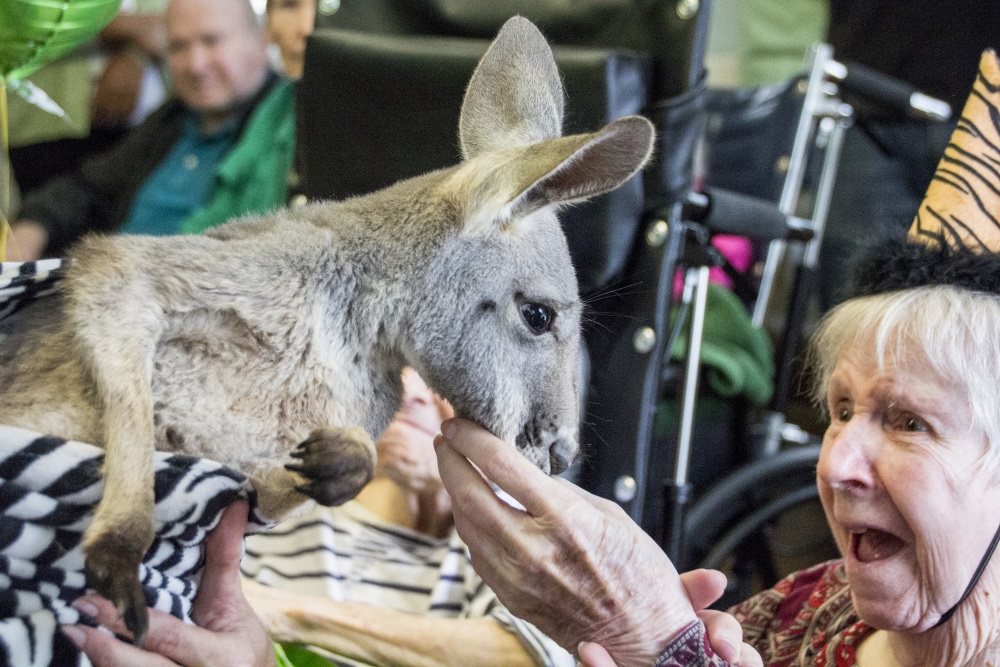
[{"x": 847, "y": 457}]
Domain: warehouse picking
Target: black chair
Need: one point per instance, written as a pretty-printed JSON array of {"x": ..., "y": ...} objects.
[{"x": 379, "y": 101}]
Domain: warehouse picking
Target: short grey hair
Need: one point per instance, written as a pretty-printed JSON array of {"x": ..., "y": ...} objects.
[{"x": 954, "y": 331}]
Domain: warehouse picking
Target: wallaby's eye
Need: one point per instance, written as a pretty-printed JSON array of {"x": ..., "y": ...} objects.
[{"x": 539, "y": 318}]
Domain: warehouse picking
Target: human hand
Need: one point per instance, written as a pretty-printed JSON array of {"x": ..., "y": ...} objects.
[
  {"x": 227, "y": 631},
  {"x": 406, "y": 449},
  {"x": 725, "y": 635},
  {"x": 406, "y": 456},
  {"x": 573, "y": 564}
]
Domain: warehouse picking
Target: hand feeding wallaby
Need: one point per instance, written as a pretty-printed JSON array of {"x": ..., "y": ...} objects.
[{"x": 275, "y": 344}]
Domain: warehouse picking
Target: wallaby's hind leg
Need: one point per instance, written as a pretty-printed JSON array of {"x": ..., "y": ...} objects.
[
  {"x": 115, "y": 320},
  {"x": 111, "y": 565},
  {"x": 331, "y": 466}
]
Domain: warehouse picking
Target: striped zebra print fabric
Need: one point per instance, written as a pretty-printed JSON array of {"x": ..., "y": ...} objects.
[{"x": 49, "y": 488}]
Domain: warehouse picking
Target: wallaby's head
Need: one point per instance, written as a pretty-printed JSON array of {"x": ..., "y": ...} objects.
[{"x": 499, "y": 329}]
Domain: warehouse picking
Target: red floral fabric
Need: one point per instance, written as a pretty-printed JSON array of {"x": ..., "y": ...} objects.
[{"x": 806, "y": 620}]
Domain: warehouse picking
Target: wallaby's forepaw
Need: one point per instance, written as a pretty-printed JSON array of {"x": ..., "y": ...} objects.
[
  {"x": 337, "y": 462},
  {"x": 112, "y": 569}
]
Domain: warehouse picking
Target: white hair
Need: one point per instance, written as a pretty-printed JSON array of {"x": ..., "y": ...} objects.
[{"x": 952, "y": 331}]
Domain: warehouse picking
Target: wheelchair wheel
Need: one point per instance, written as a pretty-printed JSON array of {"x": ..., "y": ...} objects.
[{"x": 759, "y": 524}]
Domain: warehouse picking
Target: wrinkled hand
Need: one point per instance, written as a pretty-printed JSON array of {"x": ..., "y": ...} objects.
[
  {"x": 725, "y": 635},
  {"x": 228, "y": 632},
  {"x": 573, "y": 564}
]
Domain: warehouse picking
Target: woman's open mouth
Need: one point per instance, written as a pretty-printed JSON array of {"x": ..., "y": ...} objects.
[{"x": 870, "y": 544}]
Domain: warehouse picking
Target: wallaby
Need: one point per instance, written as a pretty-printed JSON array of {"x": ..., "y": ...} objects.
[{"x": 275, "y": 344}]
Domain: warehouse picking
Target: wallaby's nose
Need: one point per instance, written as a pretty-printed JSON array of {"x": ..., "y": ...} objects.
[{"x": 562, "y": 452}]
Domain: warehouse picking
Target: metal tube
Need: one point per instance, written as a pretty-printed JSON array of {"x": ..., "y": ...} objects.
[
  {"x": 689, "y": 397},
  {"x": 820, "y": 55}
]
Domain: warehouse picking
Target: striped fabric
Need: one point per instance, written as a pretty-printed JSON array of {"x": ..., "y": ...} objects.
[
  {"x": 349, "y": 554},
  {"x": 22, "y": 281},
  {"x": 48, "y": 490}
]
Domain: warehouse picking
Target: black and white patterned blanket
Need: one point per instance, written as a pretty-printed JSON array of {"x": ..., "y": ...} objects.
[{"x": 48, "y": 490}]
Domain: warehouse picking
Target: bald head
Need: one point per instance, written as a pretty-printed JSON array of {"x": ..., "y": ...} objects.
[{"x": 217, "y": 53}]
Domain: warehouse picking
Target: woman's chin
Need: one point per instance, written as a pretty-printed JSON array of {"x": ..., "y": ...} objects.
[{"x": 879, "y": 589}]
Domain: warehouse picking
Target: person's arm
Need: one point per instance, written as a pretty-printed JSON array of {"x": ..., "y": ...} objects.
[
  {"x": 146, "y": 32},
  {"x": 384, "y": 636},
  {"x": 725, "y": 635},
  {"x": 96, "y": 196},
  {"x": 135, "y": 41},
  {"x": 228, "y": 632},
  {"x": 572, "y": 564}
]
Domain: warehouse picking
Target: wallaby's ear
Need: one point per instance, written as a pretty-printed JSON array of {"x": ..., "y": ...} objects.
[
  {"x": 515, "y": 96},
  {"x": 501, "y": 185}
]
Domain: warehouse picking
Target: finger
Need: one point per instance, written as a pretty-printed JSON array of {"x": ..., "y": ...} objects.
[
  {"x": 479, "y": 513},
  {"x": 104, "y": 650},
  {"x": 749, "y": 657},
  {"x": 224, "y": 545},
  {"x": 725, "y": 635},
  {"x": 104, "y": 612},
  {"x": 221, "y": 588},
  {"x": 703, "y": 587},
  {"x": 607, "y": 506},
  {"x": 168, "y": 636},
  {"x": 506, "y": 467},
  {"x": 595, "y": 655}
]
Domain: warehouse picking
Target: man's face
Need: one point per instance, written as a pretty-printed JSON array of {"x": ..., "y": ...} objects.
[{"x": 217, "y": 57}]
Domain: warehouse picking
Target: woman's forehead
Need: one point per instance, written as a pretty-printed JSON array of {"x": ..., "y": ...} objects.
[{"x": 896, "y": 370}]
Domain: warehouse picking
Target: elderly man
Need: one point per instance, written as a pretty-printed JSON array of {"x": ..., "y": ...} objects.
[{"x": 222, "y": 148}]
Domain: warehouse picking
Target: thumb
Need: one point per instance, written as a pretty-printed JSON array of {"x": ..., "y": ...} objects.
[
  {"x": 594, "y": 655},
  {"x": 221, "y": 583}
]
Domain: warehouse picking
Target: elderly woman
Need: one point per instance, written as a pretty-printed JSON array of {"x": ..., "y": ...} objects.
[
  {"x": 908, "y": 477},
  {"x": 909, "y": 473}
]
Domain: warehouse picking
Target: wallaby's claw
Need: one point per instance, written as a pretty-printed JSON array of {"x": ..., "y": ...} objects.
[
  {"x": 112, "y": 569},
  {"x": 337, "y": 463}
]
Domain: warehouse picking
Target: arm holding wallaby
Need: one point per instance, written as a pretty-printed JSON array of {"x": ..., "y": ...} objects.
[{"x": 383, "y": 636}]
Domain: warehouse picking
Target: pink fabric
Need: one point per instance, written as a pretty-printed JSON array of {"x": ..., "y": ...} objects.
[{"x": 737, "y": 249}]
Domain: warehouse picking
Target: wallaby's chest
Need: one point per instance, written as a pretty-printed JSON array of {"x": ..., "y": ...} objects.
[{"x": 232, "y": 388}]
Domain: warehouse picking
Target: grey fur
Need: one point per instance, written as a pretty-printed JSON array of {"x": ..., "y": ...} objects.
[{"x": 293, "y": 328}]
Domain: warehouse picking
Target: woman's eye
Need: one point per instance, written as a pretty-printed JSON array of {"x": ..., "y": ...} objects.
[
  {"x": 538, "y": 317},
  {"x": 843, "y": 413},
  {"x": 914, "y": 425}
]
